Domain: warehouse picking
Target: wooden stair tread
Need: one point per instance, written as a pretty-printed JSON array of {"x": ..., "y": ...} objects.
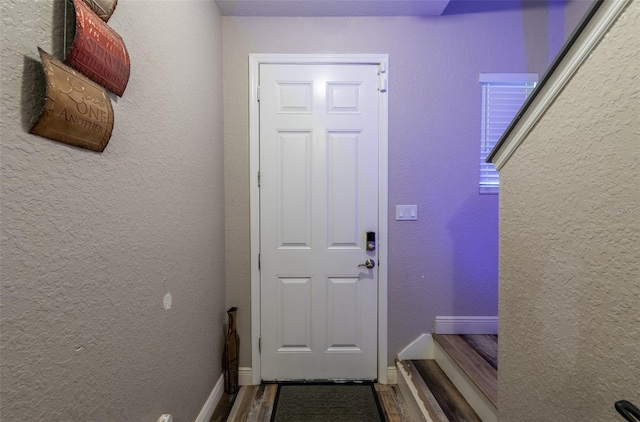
[
  {"x": 454, "y": 406},
  {"x": 486, "y": 345},
  {"x": 422, "y": 393},
  {"x": 483, "y": 375}
]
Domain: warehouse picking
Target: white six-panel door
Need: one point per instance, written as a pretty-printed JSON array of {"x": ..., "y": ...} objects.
[{"x": 318, "y": 198}]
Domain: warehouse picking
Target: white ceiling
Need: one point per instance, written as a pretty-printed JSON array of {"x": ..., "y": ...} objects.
[{"x": 332, "y": 7}]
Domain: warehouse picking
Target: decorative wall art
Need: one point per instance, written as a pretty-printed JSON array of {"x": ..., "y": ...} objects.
[
  {"x": 103, "y": 8},
  {"x": 77, "y": 108},
  {"x": 98, "y": 51},
  {"x": 77, "y": 111}
]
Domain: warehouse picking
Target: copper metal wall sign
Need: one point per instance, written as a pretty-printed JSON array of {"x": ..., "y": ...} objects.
[
  {"x": 103, "y": 8},
  {"x": 98, "y": 51},
  {"x": 77, "y": 111}
]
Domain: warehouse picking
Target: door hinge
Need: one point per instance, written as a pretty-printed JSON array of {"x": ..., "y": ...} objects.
[
  {"x": 382, "y": 68},
  {"x": 258, "y": 179},
  {"x": 382, "y": 77},
  {"x": 383, "y": 82},
  {"x": 258, "y": 261},
  {"x": 259, "y": 344},
  {"x": 258, "y": 93}
]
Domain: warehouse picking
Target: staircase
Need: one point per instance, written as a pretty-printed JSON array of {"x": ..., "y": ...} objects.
[{"x": 458, "y": 384}]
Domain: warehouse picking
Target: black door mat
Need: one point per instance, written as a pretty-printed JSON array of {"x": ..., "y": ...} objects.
[{"x": 327, "y": 402}]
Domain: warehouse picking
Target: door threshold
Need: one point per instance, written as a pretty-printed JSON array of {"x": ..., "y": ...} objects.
[{"x": 322, "y": 381}]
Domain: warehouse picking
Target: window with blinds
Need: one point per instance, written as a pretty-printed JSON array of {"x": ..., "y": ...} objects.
[{"x": 502, "y": 96}]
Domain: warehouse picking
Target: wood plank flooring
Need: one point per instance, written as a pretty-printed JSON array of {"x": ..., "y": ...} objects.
[
  {"x": 255, "y": 404},
  {"x": 485, "y": 345},
  {"x": 454, "y": 406},
  {"x": 423, "y": 393},
  {"x": 476, "y": 355},
  {"x": 223, "y": 410},
  {"x": 479, "y": 370},
  {"x": 394, "y": 407}
]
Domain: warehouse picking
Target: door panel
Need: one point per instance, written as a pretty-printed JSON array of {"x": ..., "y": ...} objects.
[
  {"x": 344, "y": 202},
  {"x": 294, "y": 189},
  {"x": 294, "y": 314},
  {"x": 318, "y": 198},
  {"x": 344, "y": 315}
]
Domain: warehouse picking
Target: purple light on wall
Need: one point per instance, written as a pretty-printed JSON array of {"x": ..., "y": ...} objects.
[
  {"x": 456, "y": 7},
  {"x": 556, "y": 16}
]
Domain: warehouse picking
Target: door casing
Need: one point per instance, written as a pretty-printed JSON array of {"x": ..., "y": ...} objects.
[{"x": 255, "y": 60}]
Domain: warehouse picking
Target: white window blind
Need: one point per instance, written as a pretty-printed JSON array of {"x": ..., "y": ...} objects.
[{"x": 502, "y": 96}]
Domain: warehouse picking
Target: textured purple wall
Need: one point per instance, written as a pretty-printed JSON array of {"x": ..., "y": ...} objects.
[{"x": 446, "y": 262}]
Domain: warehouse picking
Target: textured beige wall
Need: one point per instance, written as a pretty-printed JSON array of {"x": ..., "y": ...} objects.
[
  {"x": 570, "y": 246},
  {"x": 91, "y": 243},
  {"x": 446, "y": 262}
]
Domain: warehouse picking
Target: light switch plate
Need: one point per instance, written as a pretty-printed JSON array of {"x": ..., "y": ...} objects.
[{"x": 406, "y": 212}]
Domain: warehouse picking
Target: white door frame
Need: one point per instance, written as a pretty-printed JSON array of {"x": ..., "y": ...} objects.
[{"x": 255, "y": 60}]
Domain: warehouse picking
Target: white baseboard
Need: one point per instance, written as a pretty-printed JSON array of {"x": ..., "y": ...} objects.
[
  {"x": 392, "y": 375},
  {"x": 245, "y": 375},
  {"x": 420, "y": 348},
  {"x": 211, "y": 403},
  {"x": 466, "y": 325}
]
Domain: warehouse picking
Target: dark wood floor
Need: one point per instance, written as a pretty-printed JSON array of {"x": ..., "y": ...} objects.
[
  {"x": 476, "y": 365},
  {"x": 485, "y": 345},
  {"x": 453, "y": 405},
  {"x": 477, "y": 357},
  {"x": 255, "y": 403}
]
